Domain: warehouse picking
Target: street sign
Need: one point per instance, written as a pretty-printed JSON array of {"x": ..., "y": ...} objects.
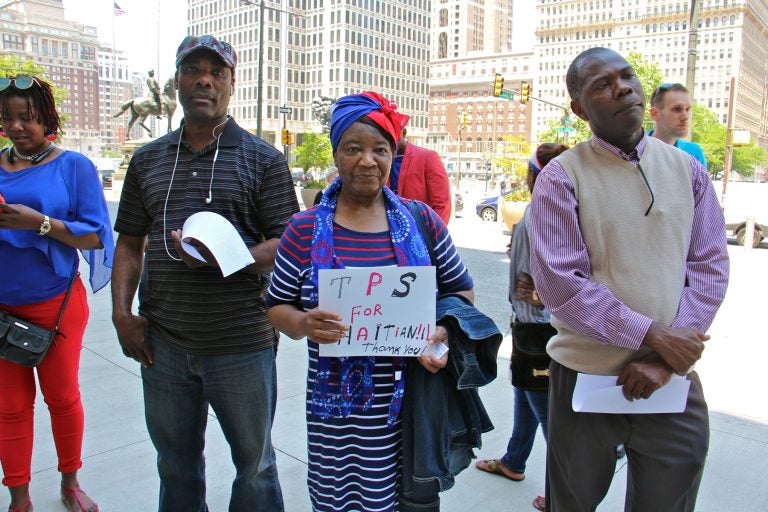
[
  {"x": 507, "y": 95},
  {"x": 285, "y": 110}
]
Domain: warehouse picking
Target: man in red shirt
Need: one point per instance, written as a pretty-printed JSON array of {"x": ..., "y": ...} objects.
[{"x": 418, "y": 173}]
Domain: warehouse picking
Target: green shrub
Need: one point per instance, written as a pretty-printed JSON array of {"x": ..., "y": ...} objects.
[{"x": 519, "y": 195}]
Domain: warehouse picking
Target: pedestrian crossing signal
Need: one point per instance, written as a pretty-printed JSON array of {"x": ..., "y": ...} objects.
[{"x": 498, "y": 85}]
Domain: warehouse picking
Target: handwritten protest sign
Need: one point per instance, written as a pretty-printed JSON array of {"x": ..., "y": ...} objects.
[{"x": 390, "y": 310}]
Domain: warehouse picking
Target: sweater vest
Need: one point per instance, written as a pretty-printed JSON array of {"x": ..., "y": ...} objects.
[{"x": 640, "y": 258}]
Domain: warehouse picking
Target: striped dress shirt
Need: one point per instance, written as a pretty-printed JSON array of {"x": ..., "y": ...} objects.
[{"x": 561, "y": 266}]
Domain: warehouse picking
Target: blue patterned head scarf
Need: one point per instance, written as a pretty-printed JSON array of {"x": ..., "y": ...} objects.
[
  {"x": 345, "y": 384},
  {"x": 379, "y": 109}
]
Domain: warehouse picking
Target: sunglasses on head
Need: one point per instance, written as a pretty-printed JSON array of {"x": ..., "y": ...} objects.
[
  {"x": 20, "y": 82},
  {"x": 661, "y": 89}
]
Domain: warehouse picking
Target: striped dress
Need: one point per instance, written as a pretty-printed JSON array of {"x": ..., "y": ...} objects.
[{"x": 354, "y": 462}]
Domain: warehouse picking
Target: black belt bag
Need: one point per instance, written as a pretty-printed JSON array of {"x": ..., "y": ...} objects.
[
  {"x": 530, "y": 362},
  {"x": 25, "y": 343}
]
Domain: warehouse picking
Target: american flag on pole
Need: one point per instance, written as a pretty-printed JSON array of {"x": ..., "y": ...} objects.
[{"x": 117, "y": 11}]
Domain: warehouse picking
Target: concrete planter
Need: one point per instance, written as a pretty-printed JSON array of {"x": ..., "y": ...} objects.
[
  {"x": 308, "y": 196},
  {"x": 512, "y": 212}
]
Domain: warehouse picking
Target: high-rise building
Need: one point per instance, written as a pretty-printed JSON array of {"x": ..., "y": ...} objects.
[
  {"x": 731, "y": 37},
  {"x": 117, "y": 85},
  {"x": 37, "y": 30},
  {"x": 467, "y": 124},
  {"x": 471, "y": 42},
  {"x": 461, "y": 28},
  {"x": 314, "y": 48}
]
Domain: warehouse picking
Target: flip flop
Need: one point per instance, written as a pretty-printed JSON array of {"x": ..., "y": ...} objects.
[
  {"x": 495, "y": 466},
  {"x": 75, "y": 493},
  {"x": 539, "y": 503}
]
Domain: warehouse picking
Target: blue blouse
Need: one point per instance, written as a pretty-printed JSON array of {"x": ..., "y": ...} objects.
[{"x": 35, "y": 268}]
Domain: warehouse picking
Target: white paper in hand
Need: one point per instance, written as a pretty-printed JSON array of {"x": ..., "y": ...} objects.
[
  {"x": 600, "y": 393},
  {"x": 437, "y": 350},
  {"x": 220, "y": 237}
]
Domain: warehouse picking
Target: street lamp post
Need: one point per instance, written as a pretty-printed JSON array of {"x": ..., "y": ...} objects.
[
  {"x": 260, "y": 72},
  {"x": 260, "y": 65}
]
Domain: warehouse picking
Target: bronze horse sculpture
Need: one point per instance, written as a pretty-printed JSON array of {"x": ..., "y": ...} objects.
[{"x": 141, "y": 108}]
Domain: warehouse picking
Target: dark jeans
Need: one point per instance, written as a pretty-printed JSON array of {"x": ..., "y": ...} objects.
[
  {"x": 530, "y": 412},
  {"x": 241, "y": 389}
]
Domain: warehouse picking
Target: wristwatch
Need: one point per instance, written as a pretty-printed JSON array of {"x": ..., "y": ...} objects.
[{"x": 45, "y": 227}]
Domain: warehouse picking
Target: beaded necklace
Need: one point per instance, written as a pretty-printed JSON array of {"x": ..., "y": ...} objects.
[{"x": 13, "y": 153}]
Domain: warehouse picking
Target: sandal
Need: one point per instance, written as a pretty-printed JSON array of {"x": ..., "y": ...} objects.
[
  {"x": 76, "y": 492},
  {"x": 539, "y": 503},
  {"x": 495, "y": 466},
  {"x": 25, "y": 507}
]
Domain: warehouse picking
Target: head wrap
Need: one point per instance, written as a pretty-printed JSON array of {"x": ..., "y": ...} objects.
[{"x": 379, "y": 109}]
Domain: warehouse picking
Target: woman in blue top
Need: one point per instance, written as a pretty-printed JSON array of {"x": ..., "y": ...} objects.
[
  {"x": 52, "y": 205},
  {"x": 354, "y": 403}
]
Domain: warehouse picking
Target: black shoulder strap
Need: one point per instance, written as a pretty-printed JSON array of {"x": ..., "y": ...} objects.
[
  {"x": 66, "y": 299},
  {"x": 425, "y": 234}
]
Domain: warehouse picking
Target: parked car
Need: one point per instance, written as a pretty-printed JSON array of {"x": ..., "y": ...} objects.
[
  {"x": 458, "y": 203},
  {"x": 488, "y": 208},
  {"x": 106, "y": 178},
  {"x": 513, "y": 210},
  {"x": 739, "y": 230}
]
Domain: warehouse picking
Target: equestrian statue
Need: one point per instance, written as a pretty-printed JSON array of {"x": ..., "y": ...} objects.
[{"x": 153, "y": 105}]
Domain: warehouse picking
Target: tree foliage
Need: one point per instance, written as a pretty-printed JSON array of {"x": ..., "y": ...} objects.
[
  {"x": 12, "y": 66},
  {"x": 746, "y": 158},
  {"x": 708, "y": 133},
  {"x": 314, "y": 152},
  {"x": 513, "y": 162},
  {"x": 650, "y": 76},
  {"x": 551, "y": 134},
  {"x": 711, "y": 135}
]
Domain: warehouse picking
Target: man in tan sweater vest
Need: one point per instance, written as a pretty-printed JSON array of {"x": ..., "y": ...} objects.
[{"x": 629, "y": 254}]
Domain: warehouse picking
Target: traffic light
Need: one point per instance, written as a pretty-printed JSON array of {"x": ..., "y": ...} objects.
[
  {"x": 291, "y": 139},
  {"x": 464, "y": 120},
  {"x": 498, "y": 85},
  {"x": 525, "y": 91},
  {"x": 285, "y": 136}
]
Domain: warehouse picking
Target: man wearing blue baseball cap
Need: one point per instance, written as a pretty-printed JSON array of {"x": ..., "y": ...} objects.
[{"x": 203, "y": 339}]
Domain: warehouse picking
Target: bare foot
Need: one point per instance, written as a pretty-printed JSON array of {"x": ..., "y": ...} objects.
[{"x": 76, "y": 500}]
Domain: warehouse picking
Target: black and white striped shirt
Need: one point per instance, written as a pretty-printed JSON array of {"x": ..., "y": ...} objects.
[{"x": 199, "y": 310}]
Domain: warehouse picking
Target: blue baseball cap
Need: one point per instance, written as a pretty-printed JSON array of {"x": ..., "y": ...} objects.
[{"x": 207, "y": 42}]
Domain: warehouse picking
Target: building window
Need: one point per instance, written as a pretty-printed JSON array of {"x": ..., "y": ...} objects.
[{"x": 12, "y": 42}]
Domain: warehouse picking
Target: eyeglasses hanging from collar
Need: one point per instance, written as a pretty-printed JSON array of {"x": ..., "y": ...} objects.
[{"x": 648, "y": 185}]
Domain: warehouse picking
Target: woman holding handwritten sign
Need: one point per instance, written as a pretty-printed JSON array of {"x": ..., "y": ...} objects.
[{"x": 354, "y": 403}]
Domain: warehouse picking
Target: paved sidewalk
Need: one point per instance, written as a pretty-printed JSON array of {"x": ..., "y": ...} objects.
[{"x": 119, "y": 460}]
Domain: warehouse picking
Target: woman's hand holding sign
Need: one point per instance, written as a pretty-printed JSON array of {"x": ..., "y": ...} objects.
[{"x": 323, "y": 326}]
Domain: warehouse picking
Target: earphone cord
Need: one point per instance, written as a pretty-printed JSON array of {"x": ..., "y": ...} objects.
[
  {"x": 215, "y": 156},
  {"x": 168, "y": 194},
  {"x": 173, "y": 173}
]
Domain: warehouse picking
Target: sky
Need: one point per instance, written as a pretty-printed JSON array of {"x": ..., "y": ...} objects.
[{"x": 136, "y": 31}]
